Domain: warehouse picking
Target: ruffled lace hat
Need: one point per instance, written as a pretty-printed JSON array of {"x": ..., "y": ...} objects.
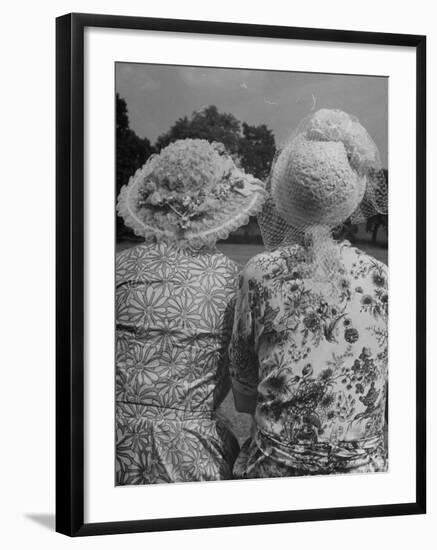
[
  {"x": 192, "y": 193},
  {"x": 329, "y": 171}
]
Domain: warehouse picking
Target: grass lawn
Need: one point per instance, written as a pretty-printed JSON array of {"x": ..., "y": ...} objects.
[{"x": 241, "y": 253}]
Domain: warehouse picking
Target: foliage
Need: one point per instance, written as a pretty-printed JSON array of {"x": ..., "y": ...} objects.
[
  {"x": 256, "y": 150},
  {"x": 207, "y": 124},
  {"x": 131, "y": 152}
]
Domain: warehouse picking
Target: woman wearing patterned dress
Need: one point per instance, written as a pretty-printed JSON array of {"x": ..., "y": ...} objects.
[
  {"x": 174, "y": 309},
  {"x": 309, "y": 346}
]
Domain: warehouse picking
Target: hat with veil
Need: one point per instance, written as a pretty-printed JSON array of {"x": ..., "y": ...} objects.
[
  {"x": 191, "y": 193},
  {"x": 328, "y": 172}
]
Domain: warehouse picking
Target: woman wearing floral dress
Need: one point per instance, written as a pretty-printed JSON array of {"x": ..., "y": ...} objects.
[
  {"x": 174, "y": 308},
  {"x": 309, "y": 345}
]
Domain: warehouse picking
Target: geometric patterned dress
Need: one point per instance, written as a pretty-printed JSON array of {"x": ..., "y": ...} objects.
[
  {"x": 316, "y": 364},
  {"x": 174, "y": 312}
]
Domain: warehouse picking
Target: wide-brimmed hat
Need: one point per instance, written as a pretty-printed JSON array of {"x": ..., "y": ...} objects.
[
  {"x": 191, "y": 192},
  {"x": 329, "y": 171}
]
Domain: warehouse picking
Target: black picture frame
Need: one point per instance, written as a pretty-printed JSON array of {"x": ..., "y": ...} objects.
[{"x": 70, "y": 273}]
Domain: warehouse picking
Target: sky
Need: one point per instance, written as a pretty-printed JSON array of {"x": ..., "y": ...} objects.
[{"x": 157, "y": 95}]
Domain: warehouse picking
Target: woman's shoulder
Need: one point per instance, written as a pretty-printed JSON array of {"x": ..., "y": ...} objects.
[
  {"x": 265, "y": 264},
  {"x": 211, "y": 260},
  {"x": 354, "y": 257},
  {"x": 364, "y": 269},
  {"x": 136, "y": 255},
  {"x": 224, "y": 260}
]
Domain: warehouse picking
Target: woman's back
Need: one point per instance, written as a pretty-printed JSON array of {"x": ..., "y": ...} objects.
[
  {"x": 317, "y": 364},
  {"x": 174, "y": 317},
  {"x": 174, "y": 311}
]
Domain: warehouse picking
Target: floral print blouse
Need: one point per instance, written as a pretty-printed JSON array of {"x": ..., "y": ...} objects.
[
  {"x": 318, "y": 367},
  {"x": 174, "y": 310}
]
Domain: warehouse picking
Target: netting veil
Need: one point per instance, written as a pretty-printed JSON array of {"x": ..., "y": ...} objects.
[{"x": 328, "y": 172}]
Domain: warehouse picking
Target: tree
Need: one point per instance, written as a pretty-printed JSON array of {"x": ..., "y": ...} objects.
[
  {"x": 256, "y": 150},
  {"x": 208, "y": 124},
  {"x": 131, "y": 153}
]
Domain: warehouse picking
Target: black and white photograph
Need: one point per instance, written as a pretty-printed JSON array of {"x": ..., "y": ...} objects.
[
  {"x": 251, "y": 274},
  {"x": 215, "y": 275}
]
